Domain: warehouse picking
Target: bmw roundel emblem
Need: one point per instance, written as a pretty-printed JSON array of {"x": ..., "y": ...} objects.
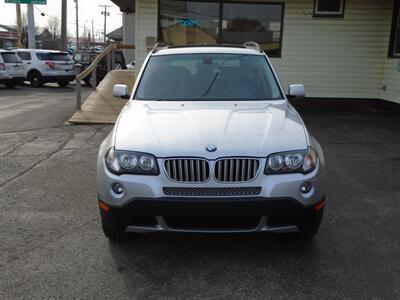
[{"x": 211, "y": 148}]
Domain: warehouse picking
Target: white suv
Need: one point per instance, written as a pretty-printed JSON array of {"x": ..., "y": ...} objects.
[
  {"x": 47, "y": 66},
  {"x": 12, "y": 70},
  {"x": 208, "y": 142}
]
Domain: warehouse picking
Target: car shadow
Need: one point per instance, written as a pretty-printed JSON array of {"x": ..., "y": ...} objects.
[
  {"x": 164, "y": 260},
  {"x": 50, "y": 86}
]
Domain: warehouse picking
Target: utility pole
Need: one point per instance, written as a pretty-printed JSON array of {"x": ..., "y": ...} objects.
[
  {"x": 106, "y": 14},
  {"x": 77, "y": 25},
  {"x": 19, "y": 25},
  {"x": 84, "y": 34},
  {"x": 64, "y": 25},
  {"x": 31, "y": 28},
  {"x": 93, "y": 35}
]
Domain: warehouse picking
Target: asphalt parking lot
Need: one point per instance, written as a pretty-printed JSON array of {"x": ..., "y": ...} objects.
[{"x": 52, "y": 244}]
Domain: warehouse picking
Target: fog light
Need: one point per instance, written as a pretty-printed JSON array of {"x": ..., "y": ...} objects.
[
  {"x": 305, "y": 187},
  {"x": 118, "y": 188}
]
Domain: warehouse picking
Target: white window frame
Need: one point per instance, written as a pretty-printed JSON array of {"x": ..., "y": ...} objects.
[
  {"x": 395, "y": 32},
  {"x": 329, "y": 14}
]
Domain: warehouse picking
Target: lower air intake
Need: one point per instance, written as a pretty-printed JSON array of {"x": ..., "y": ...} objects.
[{"x": 212, "y": 192}]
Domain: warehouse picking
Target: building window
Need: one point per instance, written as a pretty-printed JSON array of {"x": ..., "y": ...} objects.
[
  {"x": 201, "y": 22},
  {"x": 262, "y": 23},
  {"x": 329, "y": 8},
  {"x": 188, "y": 22},
  {"x": 394, "y": 46}
]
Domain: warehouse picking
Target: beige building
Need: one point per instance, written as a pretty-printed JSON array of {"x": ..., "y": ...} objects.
[{"x": 337, "y": 48}]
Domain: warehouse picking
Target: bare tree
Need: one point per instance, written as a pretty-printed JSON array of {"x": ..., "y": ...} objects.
[
  {"x": 24, "y": 30},
  {"x": 24, "y": 20},
  {"x": 24, "y": 26},
  {"x": 53, "y": 25}
]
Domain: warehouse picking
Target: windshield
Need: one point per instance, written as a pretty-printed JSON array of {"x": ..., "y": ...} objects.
[
  {"x": 54, "y": 56},
  {"x": 208, "y": 77}
]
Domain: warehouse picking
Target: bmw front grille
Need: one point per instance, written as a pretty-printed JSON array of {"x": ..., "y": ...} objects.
[
  {"x": 187, "y": 169},
  {"x": 225, "y": 169},
  {"x": 236, "y": 169}
]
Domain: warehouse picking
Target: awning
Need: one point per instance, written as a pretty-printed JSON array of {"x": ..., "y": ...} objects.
[{"x": 125, "y": 5}]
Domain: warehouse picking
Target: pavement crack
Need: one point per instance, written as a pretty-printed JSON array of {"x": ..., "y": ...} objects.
[
  {"x": 87, "y": 141},
  {"x": 33, "y": 129},
  {"x": 47, "y": 157},
  {"x": 20, "y": 145}
]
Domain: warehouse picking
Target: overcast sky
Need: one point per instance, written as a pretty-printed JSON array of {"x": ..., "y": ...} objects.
[{"x": 88, "y": 10}]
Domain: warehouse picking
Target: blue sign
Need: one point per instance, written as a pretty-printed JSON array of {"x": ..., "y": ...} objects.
[
  {"x": 27, "y": 1},
  {"x": 189, "y": 23}
]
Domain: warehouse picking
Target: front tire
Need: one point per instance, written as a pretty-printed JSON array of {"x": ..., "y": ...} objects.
[
  {"x": 114, "y": 234},
  {"x": 310, "y": 229},
  {"x": 35, "y": 79}
]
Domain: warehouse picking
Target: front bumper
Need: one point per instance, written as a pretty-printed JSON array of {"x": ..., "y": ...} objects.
[
  {"x": 278, "y": 206},
  {"x": 259, "y": 214},
  {"x": 152, "y": 187}
]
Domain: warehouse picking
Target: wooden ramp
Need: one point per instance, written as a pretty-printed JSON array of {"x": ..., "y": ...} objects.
[{"x": 101, "y": 107}]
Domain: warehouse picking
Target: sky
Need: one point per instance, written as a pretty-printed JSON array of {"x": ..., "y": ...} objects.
[{"x": 88, "y": 10}]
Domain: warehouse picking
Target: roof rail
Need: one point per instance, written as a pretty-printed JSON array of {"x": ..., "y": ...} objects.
[
  {"x": 206, "y": 45},
  {"x": 249, "y": 45},
  {"x": 252, "y": 45},
  {"x": 158, "y": 46}
]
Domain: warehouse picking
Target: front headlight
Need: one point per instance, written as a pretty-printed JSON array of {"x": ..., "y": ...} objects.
[
  {"x": 128, "y": 162},
  {"x": 304, "y": 161}
]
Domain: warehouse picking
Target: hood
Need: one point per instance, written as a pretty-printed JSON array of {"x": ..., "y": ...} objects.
[{"x": 168, "y": 129}]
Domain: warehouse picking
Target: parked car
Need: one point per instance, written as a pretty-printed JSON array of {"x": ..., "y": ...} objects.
[
  {"x": 131, "y": 66},
  {"x": 208, "y": 142},
  {"x": 44, "y": 66},
  {"x": 12, "y": 69},
  {"x": 85, "y": 58}
]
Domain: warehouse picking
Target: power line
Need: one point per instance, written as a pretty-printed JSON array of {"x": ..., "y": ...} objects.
[
  {"x": 44, "y": 14},
  {"x": 105, "y": 14}
]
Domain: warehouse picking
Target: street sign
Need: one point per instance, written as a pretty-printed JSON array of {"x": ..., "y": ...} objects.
[{"x": 27, "y": 1}]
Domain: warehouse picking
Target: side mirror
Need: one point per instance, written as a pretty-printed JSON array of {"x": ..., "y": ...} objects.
[
  {"x": 296, "y": 91},
  {"x": 121, "y": 91}
]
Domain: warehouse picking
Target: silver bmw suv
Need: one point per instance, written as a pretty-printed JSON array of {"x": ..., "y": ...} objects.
[{"x": 208, "y": 142}]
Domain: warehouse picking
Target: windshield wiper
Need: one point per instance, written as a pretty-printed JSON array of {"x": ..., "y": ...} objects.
[
  {"x": 219, "y": 71},
  {"x": 212, "y": 83}
]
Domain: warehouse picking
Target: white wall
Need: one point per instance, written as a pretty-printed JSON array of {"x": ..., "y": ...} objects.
[
  {"x": 335, "y": 57},
  {"x": 391, "y": 73},
  {"x": 391, "y": 80},
  {"x": 128, "y": 35},
  {"x": 146, "y": 27},
  {"x": 344, "y": 58}
]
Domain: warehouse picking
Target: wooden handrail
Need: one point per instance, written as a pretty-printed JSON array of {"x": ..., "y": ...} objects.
[
  {"x": 103, "y": 53},
  {"x": 94, "y": 64},
  {"x": 92, "y": 69},
  {"x": 125, "y": 46}
]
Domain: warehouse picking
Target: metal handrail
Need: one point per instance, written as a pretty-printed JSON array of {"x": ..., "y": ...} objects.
[{"x": 109, "y": 51}]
